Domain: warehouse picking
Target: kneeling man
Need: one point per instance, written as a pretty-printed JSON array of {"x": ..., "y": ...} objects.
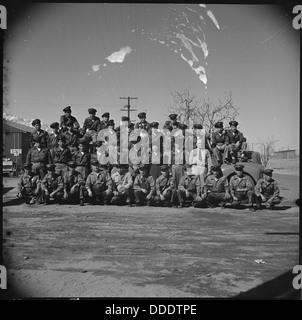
[{"x": 144, "y": 187}]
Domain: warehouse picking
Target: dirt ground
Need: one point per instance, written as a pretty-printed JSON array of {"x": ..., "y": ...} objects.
[{"x": 110, "y": 251}]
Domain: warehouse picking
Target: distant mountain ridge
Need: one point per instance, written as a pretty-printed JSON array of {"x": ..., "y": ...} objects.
[{"x": 24, "y": 122}]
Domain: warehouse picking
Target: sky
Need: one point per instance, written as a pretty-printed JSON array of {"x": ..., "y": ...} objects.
[{"x": 90, "y": 55}]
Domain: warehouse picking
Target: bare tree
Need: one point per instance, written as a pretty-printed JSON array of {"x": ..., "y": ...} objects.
[
  {"x": 191, "y": 110},
  {"x": 266, "y": 148}
]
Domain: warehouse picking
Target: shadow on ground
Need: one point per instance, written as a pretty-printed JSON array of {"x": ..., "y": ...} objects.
[{"x": 279, "y": 288}]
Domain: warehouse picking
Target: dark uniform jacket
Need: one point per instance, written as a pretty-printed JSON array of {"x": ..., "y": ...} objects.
[
  {"x": 70, "y": 179},
  {"x": 216, "y": 185},
  {"x": 71, "y": 122},
  {"x": 82, "y": 159},
  {"x": 236, "y": 184},
  {"x": 234, "y": 137},
  {"x": 42, "y": 134},
  {"x": 219, "y": 139},
  {"x": 163, "y": 183},
  {"x": 190, "y": 183},
  {"x": 53, "y": 140},
  {"x": 103, "y": 124},
  {"x": 268, "y": 189},
  {"x": 144, "y": 183},
  {"x": 60, "y": 155},
  {"x": 71, "y": 139},
  {"x": 92, "y": 124},
  {"x": 35, "y": 155},
  {"x": 27, "y": 181}
]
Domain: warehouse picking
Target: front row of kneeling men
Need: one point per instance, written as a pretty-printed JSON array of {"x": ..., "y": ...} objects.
[{"x": 136, "y": 187}]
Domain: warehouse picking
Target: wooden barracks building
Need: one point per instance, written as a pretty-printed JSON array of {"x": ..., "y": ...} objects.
[{"x": 15, "y": 141}]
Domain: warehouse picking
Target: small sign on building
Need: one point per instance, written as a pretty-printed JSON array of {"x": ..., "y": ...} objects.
[{"x": 16, "y": 152}]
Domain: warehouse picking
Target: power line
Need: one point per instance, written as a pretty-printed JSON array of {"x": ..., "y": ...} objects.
[{"x": 128, "y": 105}]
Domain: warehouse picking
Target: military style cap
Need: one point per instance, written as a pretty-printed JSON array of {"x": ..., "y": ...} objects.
[
  {"x": 103, "y": 167},
  {"x": 219, "y": 124},
  {"x": 164, "y": 168},
  {"x": 168, "y": 126},
  {"x": 142, "y": 115},
  {"x": 197, "y": 126},
  {"x": 106, "y": 115},
  {"x": 216, "y": 168},
  {"x": 173, "y": 116},
  {"x": 67, "y": 109},
  {"x": 72, "y": 164},
  {"x": 91, "y": 110},
  {"x": 27, "y": 165},
  {"x": 143, "y": 167},
  {"x": 36, "y": 121},
  {"x": 239, "y": 167},
  {"x": 182, "y": 126},
  {"x": 50, "y": 167},
  {"x": 233, "y": 123},
  {"x": 94, "y": 163},
  {"x": 54, "y": 125},
  {"x": 154, "y": 125},
  {"x": 268, "y": 171},
  {"x": 124, "y": 118}
]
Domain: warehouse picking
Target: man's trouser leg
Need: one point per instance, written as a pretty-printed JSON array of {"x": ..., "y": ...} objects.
[
  {"x": 215, "y": 198},
  {"x": 39, "y": 169},
  {"x": 138, "y": 196}
]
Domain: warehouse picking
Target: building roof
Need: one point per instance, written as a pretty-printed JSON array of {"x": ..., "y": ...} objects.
[{"x": 18, "y": 126}]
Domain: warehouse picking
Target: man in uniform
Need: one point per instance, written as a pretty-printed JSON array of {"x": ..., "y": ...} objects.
[
  {"x": 173, "y": 118},
  {"x": 165, "y": 188},
  {"x": 54, "y": 136},
  {"x": 144, "y": 187},
  {"x": 267, "y": 191},
  {"x": 237, "y": 142},
  {"x": 219, "y": 142},
  {"x": 39, "y": 157},
  {"x": 142, "y": 124},
  {"x": 123, "y": 186},
  {"x": 105, "y": 122},
  {"x": 51, "y": 186},
  {"x": 216, "y": 189},
  {"x": 73, "y": 187},
  {"x": 99, "y": 184},
  {"x": 92, "y": 125},
  {"x": 28, "y": 185},
  {"x": 82, "y": 158},
  {"x": 38, "y": 133},
  {"x": 67, "y": 120},
  {"x": 189, "y": 188},
  {"x": 60, "y": 156},
  {"x": 241, "y": 188}
]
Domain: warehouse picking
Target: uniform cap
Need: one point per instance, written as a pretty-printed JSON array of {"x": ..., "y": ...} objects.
[
  {"x": 239, "y": 167},
  {"x": 94, "y": 163},
  {"x": 106, "y": 115},
  {"x": 67, "y": 109},
  {"x": 182, "y": 126},
  {"x": 173, "y": 116},
  {"x": 216, "y": 168},
  {"x": 142, "y": 115},
  {"x": 197, "y": 126},
  {"x": 124, "y": 118},
  {"x": 91, "y": 111},
  {"x": 268, "y": 171},
  {"x": 218, "y": 124},
  {"x": 36, "y": 121},
  {"x": 143, "y": 167},
  {"x": 233, "y": 123},
  {"x": 54, "y": 125},
  {"x": 164, "y": 168},
  {"x": 110, "y": 122},
  {"x": 154, "y": 125}
]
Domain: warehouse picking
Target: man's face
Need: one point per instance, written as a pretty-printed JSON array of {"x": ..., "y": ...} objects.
[
  {"x": 233, "y": 128},
  {"x": 92, "y": 115},
  {"x": 72, "y": 169},
  {"x": 68, "y": 114},
  {"x": 200, "y": 144},
  {"x": 239, "y": 173},
  {"x": 60, "y": 143},
  {"x": 54, "y": 130},
  {"x": 105, "y": 119},
  {"x": 216, "y": 174},
  {"x": 268, "y": 177},
  {"x": 27, "y": 171},
  {"x": 81, "y": 147},
  {"x": 219, "y": 130},
  {"x": 143, "y": 119},
  {"x": 165, "y": 173},
  {"x": 143, "y": 173},
  {"x": 95, "y": 168},
  {"x": 37, "y": 145},
  {"x": 38, "y": 126}
]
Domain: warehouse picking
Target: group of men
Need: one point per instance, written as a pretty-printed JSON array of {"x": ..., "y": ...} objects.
[{"x": 78, "y": 165}]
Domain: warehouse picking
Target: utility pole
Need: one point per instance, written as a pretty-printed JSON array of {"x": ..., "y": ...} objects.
[{"x": 128, "y": 106}]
